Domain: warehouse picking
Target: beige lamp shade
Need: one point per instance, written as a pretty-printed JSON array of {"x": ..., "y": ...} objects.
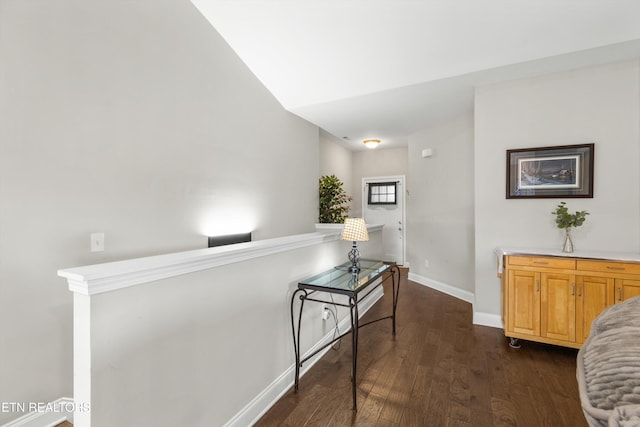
[{"x": 355, "y": 230}]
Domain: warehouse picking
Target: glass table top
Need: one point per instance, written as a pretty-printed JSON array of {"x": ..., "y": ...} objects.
[{"x": 340, "y": 280}]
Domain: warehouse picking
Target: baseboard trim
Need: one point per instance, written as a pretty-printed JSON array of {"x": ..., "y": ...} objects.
[
  {"x": 55, "y": 413},
  {"x": 442, "y": 287},
  {"x": 255, "y": 409},
  {"x": 487, "y": 319},
  {"x": 479, "y": 318}
]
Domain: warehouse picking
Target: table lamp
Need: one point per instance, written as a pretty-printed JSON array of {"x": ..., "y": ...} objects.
[{"x": 355, "y": 230}]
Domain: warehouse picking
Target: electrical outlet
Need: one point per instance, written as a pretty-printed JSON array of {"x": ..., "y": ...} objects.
[
  {"x": 325, "y": 312},
  {"x": 427, "y": 264}
]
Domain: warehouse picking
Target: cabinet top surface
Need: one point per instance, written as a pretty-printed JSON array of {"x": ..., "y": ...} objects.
[
  {"x": 585, "y": 254},
  {"x": 589, "y": 254}
]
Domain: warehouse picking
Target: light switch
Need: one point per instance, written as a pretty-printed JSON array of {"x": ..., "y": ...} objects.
[{"x": 97, "y": 242}]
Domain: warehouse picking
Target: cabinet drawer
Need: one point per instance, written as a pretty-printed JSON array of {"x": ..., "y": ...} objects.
[
  {"x": 609, "y": 266},
  {"x": 543, "y": 262}
]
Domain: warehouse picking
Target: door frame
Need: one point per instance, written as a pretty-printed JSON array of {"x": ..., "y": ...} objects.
[{"x": 401, "y": 179}]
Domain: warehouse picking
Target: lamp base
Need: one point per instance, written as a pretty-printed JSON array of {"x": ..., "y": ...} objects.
[{"x": 354, "y": 257}]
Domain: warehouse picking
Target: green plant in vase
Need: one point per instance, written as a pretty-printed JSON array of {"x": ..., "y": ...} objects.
[
  {"x": 567, "y": 221},
  {"x": 334, "y": 201}
]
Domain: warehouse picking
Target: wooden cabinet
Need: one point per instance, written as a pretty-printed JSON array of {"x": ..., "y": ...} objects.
[
  {"x": 594, "y": 294},
  {"x": 555, "y": 299},
  {"x": 557, "y": 306},
  {"x": 627, "y": 288},
  {"x": 524, "y": 300}
]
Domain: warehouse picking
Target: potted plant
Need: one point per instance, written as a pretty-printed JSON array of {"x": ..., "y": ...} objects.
[
  {"x": 567, "y": 221},
  {"x": 333, "y": 200}
]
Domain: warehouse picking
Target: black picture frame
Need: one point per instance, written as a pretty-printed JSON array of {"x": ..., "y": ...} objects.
[{"x": 564, "y": 171}]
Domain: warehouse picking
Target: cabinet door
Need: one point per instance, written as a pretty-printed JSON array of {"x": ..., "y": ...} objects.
[
  {"x": 523, "y": 290},
  {"x": 558, "y": 306},
  {"x": 594, "y": 294},
  {"x": 627, "y": 288}
]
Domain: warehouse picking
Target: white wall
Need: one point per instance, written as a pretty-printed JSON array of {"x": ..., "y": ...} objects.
[
  {"x": 377, "y": 162},
  {"x": 336, "y": 160},
  {"x": 599, "y": 105},
  {"x": 440, "y": 204},
  {"x": 134, "y": 119}
]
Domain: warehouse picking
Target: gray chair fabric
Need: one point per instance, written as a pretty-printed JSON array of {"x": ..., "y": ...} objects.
[{"x": 608, "y": 367}]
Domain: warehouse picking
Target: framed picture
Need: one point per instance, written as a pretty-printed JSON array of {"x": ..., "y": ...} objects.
[{"x": 546, "y": 172}]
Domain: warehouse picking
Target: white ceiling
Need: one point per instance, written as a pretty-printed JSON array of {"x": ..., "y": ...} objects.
[{"x": 387, "y": 68}]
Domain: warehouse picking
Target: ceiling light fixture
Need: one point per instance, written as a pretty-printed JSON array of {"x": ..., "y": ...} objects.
[{"x": 371, "y": 143}]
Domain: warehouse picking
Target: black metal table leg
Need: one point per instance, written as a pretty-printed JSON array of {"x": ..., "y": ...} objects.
[
  {"x": 354, "y": 348},
  {"x": 296, "y": 332},
  {"x": 396, "y": 292}
]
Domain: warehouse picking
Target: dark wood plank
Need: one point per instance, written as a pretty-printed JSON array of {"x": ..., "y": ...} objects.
[
  {"x": 504, "y": 413},
  {"x": 438, "y": 404}
]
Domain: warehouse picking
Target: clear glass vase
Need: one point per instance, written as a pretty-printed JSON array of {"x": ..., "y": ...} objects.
[{"x": 567, "y": 246}]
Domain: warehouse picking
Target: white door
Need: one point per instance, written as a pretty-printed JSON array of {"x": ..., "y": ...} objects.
[{"x": 382, "y": 208}]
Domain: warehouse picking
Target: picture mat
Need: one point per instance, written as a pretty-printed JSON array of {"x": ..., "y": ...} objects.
[{"x": 550, "y": 172}]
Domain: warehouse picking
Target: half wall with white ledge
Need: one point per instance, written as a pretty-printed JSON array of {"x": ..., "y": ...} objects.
[{"x": 197, "y": 338}]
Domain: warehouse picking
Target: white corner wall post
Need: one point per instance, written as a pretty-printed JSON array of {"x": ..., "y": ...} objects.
[{"x": 82, "y": 360}]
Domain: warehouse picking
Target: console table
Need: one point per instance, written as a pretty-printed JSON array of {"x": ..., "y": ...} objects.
[{"x": 339, "y": 280}]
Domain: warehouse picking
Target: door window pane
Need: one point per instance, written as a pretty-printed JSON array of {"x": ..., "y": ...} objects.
[{"x": 382, "y": 193}]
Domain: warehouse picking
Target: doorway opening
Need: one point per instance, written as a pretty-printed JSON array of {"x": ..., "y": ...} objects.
[{"x": 383, "y": 202}]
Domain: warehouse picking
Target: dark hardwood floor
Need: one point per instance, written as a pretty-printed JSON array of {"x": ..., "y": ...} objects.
[{"x": 440, "y": 370}]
